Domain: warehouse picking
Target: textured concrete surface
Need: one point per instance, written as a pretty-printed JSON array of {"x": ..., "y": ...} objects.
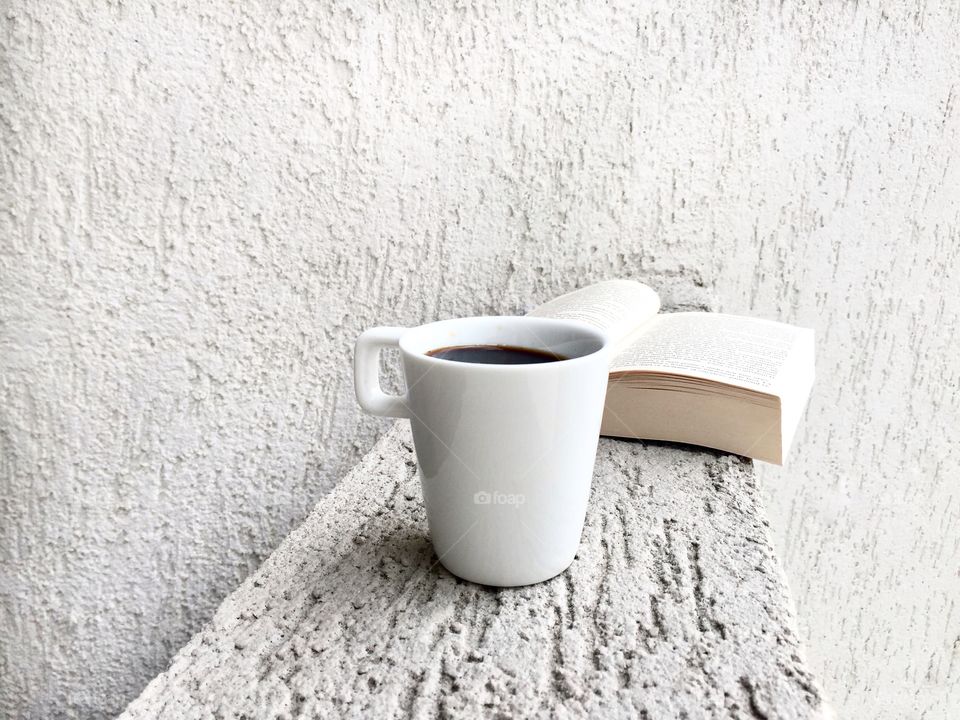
[
  {"x": 674, "y": 607},
  {"x": 201, "y": 207}
]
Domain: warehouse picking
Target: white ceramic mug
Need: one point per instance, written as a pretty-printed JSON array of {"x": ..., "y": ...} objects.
[{"x": 506, "y": 452}]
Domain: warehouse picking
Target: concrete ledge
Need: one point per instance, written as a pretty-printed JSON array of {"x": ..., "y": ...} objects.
[{"x": 675, "y": 607}]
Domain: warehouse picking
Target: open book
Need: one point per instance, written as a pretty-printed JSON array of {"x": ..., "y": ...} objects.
[{"x": 733, "y": 383}]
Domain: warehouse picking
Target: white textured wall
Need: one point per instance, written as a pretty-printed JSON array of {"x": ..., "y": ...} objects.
[{"x": 201, "y": 208}]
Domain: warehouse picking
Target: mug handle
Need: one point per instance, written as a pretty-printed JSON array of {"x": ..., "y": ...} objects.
[{"x": 366, "y": 373}]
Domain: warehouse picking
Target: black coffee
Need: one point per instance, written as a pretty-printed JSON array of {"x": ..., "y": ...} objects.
[{"x": 495, "y": 354}]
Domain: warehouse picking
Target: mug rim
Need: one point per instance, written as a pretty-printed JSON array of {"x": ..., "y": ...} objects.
[{"x": 589, "y": 331}]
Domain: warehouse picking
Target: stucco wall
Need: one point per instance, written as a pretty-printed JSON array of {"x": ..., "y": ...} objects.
[{"x": 202, "y": 207}]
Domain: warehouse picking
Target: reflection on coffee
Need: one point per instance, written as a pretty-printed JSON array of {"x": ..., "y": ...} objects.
[{"x": 495, "y": 354}]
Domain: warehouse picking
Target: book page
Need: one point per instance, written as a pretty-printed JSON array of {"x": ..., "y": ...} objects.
[
  {"x": 731, "y": 349},
  {"x": 617, "y": 306}
]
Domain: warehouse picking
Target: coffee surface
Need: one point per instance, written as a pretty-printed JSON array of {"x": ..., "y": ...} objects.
[{"x": 495, "y": 354}]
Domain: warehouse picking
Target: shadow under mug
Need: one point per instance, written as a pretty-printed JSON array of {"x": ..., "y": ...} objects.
[{"x": 505, "y": 452}]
